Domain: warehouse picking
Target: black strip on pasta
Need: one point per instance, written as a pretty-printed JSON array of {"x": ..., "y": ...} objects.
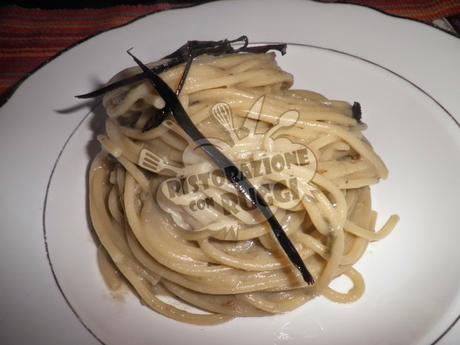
[
  {"x": 232, "y": 173},
  {"x": 189, "y": 50}
]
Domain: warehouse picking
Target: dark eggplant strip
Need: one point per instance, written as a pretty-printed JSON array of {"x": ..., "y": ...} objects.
[
  {"x": 130, "y": 80},
  {"x": 155, "y": 121},
  {"x": 189, "y": 50},
  {"x": 232, "y": 173},
  {"x": 356, "y": 111},
  {"x": 263, "y": 49}
]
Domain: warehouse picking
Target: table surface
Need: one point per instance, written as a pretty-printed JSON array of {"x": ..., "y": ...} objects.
[{"x": 31, "y": 37}]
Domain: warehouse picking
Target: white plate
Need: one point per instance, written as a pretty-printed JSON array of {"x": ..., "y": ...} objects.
[{"x": 402, "y": 72}]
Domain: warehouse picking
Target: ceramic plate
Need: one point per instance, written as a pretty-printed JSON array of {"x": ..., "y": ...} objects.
[{"x": 403, "y": 74}]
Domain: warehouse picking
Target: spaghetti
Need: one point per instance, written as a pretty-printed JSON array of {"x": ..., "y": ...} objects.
[{"x": 171, "y": 225}]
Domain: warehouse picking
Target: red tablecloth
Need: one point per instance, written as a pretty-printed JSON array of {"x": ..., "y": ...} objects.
[{"x": 31, "y": 37}]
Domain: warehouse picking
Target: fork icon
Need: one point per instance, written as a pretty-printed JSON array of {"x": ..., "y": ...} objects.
[{"x": 155, "y": 163}]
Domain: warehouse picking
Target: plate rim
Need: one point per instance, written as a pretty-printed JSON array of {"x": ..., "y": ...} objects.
[{"x": 41, "y": 179}]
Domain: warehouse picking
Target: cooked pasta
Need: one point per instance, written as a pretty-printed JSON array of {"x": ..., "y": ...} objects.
[{"x": 170, "y": 225}]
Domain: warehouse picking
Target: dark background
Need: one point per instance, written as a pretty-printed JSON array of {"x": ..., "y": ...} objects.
[{"x": 88, "y": 4}]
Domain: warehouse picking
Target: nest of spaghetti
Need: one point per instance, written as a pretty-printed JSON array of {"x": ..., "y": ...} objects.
[{"x": 179, "y": 233}]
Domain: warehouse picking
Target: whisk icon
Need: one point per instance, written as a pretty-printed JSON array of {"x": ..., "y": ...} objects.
[{"x": 223, "y": 114}]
